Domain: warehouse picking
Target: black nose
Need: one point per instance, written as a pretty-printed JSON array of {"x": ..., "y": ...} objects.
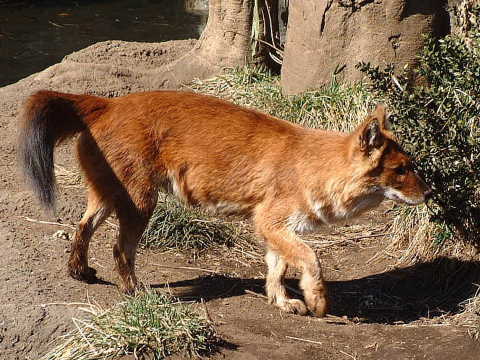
[{"x": 428, "y": 194}]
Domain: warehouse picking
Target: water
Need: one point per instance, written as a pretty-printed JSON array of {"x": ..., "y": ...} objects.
[{"x": 37, "y": 34}]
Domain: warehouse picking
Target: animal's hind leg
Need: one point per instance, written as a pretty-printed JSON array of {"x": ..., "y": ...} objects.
[
  {"x": 133, "y": 222},
  {"x": 97, "y": 212}
]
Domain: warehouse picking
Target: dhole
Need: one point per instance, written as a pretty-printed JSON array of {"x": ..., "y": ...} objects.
[{"x": 212, "y": 153}]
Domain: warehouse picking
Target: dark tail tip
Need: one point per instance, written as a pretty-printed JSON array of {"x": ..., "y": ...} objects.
[
  {"x": 36, "y": 159},
  {"x": 48, "y": 118}
]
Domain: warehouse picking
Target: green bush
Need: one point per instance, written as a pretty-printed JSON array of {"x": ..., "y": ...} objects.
[{"x": 437, "y": 120}]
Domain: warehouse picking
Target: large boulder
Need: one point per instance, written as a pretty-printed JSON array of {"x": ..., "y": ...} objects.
[{"x": 328, "y": 35}]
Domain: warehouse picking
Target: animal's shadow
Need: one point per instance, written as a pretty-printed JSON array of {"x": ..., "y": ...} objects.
[
  {"x": 420, "y": 291},
  {"x": 403, "y": 295}
]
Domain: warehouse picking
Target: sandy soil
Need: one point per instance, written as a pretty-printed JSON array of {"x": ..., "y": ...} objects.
[{"x": 385, "y": 308}]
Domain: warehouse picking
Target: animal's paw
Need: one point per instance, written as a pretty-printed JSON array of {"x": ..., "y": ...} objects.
[
  {"x": 130, "y": 286},
  {"x": 128, "y": 291},
  {"x": 293, "y": 306},
  {"x": 87, "y": 274},
  {"x": 317, "y": 303}
]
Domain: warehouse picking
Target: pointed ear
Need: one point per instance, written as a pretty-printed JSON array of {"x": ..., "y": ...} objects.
[
  {"x": 371, "y": 136},
  {"x": 382, "y": 116}
]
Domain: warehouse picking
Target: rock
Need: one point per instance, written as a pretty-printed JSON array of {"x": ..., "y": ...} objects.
[{"x": 61, "y": 234}]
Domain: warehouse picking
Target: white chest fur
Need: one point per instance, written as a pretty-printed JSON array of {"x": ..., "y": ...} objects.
[{"x": 331, "y": 210}]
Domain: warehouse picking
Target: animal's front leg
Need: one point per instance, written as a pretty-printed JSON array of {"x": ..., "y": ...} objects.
[
  {"x": 314, "y": 288},
  {"x": 285, "y": 248},
  {"x": 276, "y": 292}
]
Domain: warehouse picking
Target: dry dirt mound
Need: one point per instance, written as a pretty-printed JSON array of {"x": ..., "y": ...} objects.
[
  {"x": 133, "y": 54},
  {"x": 109, "y": 68},
  {"x": 37, "y": 298}
]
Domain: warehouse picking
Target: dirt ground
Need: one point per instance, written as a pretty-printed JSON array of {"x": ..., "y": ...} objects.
[{"x": 381, "y": 311}]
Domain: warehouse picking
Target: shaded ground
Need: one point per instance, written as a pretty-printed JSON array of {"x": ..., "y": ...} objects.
[{"x": 385, "y": 308}]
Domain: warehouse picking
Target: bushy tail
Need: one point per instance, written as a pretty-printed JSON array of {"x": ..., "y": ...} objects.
[{"x": 48, "y": 118}]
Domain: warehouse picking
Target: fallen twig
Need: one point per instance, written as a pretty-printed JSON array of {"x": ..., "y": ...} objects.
[
  {"x": 304, "y": 340},
  {"x": 48, "y": 222},
  {"x": 347, "y": 354},
  {"x": 256, "y": 294},
  {"x": 55, "y": 24},
  {"x": 338, "y": 242},
  {"x": 333, "y": 318},
  {"x": 64, "y": 304},
  {"x": 188, "y": 268},
  {"x": 368, "y": 236}
]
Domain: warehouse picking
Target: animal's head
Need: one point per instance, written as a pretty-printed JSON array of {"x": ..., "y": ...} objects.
[{"x": 389, "y": 169}]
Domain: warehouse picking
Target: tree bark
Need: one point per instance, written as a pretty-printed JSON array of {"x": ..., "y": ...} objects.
[
  {"x": 225, "y": 42},
  {"x": 325, "y": 36}
]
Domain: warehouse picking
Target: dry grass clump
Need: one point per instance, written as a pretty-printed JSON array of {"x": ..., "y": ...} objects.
[
  {"x": 333, "y": 107},
  {"x": 470, "y": 316},
  {"x": 418, "y": 239},
  {"x": 147, "y": 325},
  {"x": 176, "y": 226}
]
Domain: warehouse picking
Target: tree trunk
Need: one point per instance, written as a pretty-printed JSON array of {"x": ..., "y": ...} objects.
[
  {"x": 333, "y": 35},
  {"x": 225, "y": 42}
]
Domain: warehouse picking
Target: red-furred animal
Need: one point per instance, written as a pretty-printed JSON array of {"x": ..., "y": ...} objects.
[{"x": 212, "y": 153}]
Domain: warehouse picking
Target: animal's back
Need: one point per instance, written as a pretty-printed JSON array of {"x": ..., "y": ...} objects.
[{"x": 206, "y": 150}]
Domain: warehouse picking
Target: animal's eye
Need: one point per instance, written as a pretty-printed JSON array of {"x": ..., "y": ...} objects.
[{"x": 401, "y": 170}]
